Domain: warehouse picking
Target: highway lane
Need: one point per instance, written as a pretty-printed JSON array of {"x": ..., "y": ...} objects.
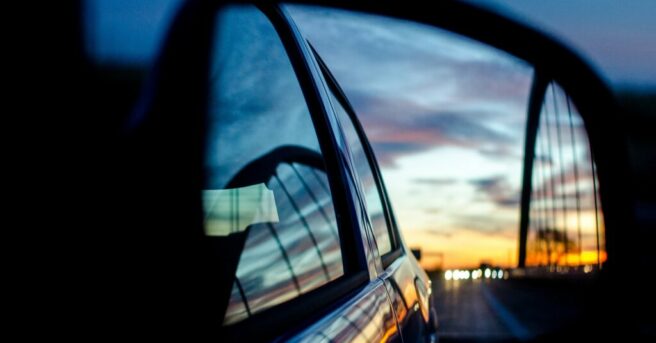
[
  {"x": 508, "y": 310},
  {"x": 464, "y": 313}
]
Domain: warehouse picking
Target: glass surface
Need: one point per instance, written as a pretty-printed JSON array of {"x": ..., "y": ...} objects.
[
  {"x": 265, "y": 174},
  {"x": 365, "y": 174}
]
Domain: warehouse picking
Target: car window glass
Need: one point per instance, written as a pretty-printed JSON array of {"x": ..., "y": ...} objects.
[
  {"x": 266, "y": 176},
  {"x": 373, "y": 199}
]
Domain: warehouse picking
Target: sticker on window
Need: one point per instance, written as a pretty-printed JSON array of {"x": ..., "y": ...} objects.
[{"x": 229, "y": 211}]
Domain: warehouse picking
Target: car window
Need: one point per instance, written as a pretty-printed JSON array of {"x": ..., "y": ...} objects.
[
  {"x": 266, "y": 177},
  {"x": 365, "y": 173},
  {"x": 566, "y": 227}
]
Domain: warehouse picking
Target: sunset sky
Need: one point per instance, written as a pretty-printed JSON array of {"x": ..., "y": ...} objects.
[
  {"x": 446, "y": 118},
  {"x": 445, "y": 115}
]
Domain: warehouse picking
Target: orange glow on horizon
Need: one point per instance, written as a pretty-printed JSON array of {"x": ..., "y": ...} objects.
[
  {"x": 467, "y": 249},
  {"x": 587, "y": 257}
]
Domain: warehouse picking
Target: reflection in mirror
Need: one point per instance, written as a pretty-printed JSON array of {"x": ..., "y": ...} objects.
[
  {"x": 298, "y": 254},
  {"x": 369, "y": 319},
  {"x": 267, "y": 191},
  {"x": 447, "y": 119},
  {"x": 364, "y": 171}
]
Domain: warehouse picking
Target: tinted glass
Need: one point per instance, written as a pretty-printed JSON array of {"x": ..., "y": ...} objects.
[
  {"x": 266, "y": 175},
  {"x": 366, "y": 176}
]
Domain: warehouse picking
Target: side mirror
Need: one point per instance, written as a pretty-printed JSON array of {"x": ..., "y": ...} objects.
[{"x": 417, "y": 253}]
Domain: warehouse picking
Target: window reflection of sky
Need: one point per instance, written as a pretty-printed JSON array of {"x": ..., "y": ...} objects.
[
  {"x": 258, "y": 102},
  {"x": 285, "y": 259},
  {"x": 257, "y": 112},
  {"x": 373, "y": 199},
  {"x": 446, "y": 117}
]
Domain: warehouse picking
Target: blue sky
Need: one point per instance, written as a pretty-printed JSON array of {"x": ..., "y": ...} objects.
[
  {"x": 618, "y": 37},
  {"x": 615, "y": 36}
]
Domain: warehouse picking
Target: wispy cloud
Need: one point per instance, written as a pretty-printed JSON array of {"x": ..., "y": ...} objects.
[
  {"x": 398, "y": 127},
  {"x": 416, "y": 87},
  {"x": 497, "y": 189},
  {"x": 436, "y": 181}
]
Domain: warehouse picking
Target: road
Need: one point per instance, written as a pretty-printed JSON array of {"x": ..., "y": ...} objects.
[
  {"x": 465, "y": 314},
  {"x": 506, "y": 310}
]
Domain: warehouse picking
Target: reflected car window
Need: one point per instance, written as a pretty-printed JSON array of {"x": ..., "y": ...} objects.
[
  {"x": 365, "y": 174},
  {"x": 265, "y": 173}
]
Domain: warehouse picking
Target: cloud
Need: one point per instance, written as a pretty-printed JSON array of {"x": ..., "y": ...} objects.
[
  {"x": 438, "y": 233},
  {"x": 432, "y": 210},
  {"x": 436, "y": 181},
  {"x": 497, "y": 189},
  {"x": 416, "y": 87},
  {"x": 487, "y": 224},
  {"x": 387, "y": 152},
  {"x": 398, "y": 127},
  {"x": 496, "y": 152}
]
